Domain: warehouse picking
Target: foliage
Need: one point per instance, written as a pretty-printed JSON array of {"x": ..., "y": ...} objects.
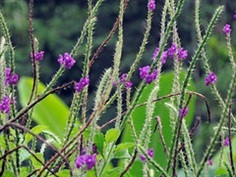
[{"x": 153, "y": 121}]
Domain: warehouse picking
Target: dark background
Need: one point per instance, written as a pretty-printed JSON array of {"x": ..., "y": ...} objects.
[{"x": 57, "y": 25}]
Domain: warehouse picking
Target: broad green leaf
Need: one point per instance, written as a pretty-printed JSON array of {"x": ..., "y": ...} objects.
[
  {"x": 51, "y": 112},
  {"x": 162, "y": 111},
  {"x": 112, "y": 135},
  {"x": 99, "y": 141}
]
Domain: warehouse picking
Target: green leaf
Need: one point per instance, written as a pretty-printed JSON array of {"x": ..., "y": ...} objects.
[
  {"x": 99, "y": 142},
  {"x": 125, "y": 145},
  {"x": 221, "y": 171},
  {"x": 162, "y": 111},
  {"x": 35, "y": 162},
  {"x": 51, "y": 112},
  {"x": 37, "y": 130},
  {"x": 122, "y": 154},
  {"x": 112, "y": 135},
  {"x": 115, "y": 172},
  {"x": 64, "y": 173}
]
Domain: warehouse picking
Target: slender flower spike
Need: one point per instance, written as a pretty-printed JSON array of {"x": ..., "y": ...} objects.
[
  {"x": 66, "y": 60},
  {"x": 227, "y": 29},
  {"x": 211, "y": 78},
  {"x": 152, "y": 5},
  {"x": 81, "y": 84},
  {"x": 183, "y": 112},
  {"x": 37, "y": 56},
  {"x": 5, "y": 105},
  {"x": 11, "y": 78},
  {"x": 226, "y": 142},
  {"x": 210, "y": 163},
  {"x": 234, "y": 14}
]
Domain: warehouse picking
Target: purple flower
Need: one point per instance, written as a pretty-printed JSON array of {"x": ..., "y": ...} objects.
[
  {"x": 143, "y": 72},
  {"x": 90, "y": 161},
  {"x": 123, "y": 78},
  {"x": 211, "y": 78},
  {"x": 85, "y": 160},
  {"x": 164, "y": 57},
  {"x": 172, "y": 50},
  {"x": 148, "y": 77},
  {"x": 81, "y": 84},
  {"x": 210, "y": 163},
  {"x": 11, "y": 78},
  {"x": 182, "y": 54},
  {"x": 151, "y": 5},
  {"x": 80, "y": 161},
  {"x": 155, "y": 53},
  {"x": 183, "y": 112},
  {"x": 151, "y": 77},
  {"x": 142, "y": 157},
  {"x": 5, "y": 105},
  {"x": 150, "y": 152},
  {"x": 66, "y": 60},
  {"x": 226, "y": 142},
  {"x": 227, "y": 29},
  {"x": 128, "y": 83},
  {"x": 37, "y": 56},
  {"x": 94, "y": 148}
]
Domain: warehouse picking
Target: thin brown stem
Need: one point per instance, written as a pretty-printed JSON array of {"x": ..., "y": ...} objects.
[
  {"x": 230, "y": 142},
  {"x": 130, "y": 163}
]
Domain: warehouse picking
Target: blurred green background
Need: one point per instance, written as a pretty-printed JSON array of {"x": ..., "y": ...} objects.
[{"x": 57, "y": 25}]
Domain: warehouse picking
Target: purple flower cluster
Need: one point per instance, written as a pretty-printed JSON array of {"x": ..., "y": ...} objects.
[
  {"x": 144, "y": 73},
  {"x": 88, "y": 160},
  {"x": 150, "y": 154},
  {"x": 81, "y": 84},
  {"x": 211, "y": 78},
  {"x": 37, "y": 56},
  {"x": 85, "y": 160},
  {"x": 210, "y": 163},
  {"x": 66, "y": 60},
  {"x": 5, "y": 105},
  {"x": 172, "y": 51},
  {"x": 183, "y": 112},
  {"x": 128, "y": 83},
  {"x": 152, "y": 5},
  {"x": 11, "y": 78},
  {"x": 234, "y": 14},
  {"x": 227, "y": 29},
  {"x": 226, "y": 142}
]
